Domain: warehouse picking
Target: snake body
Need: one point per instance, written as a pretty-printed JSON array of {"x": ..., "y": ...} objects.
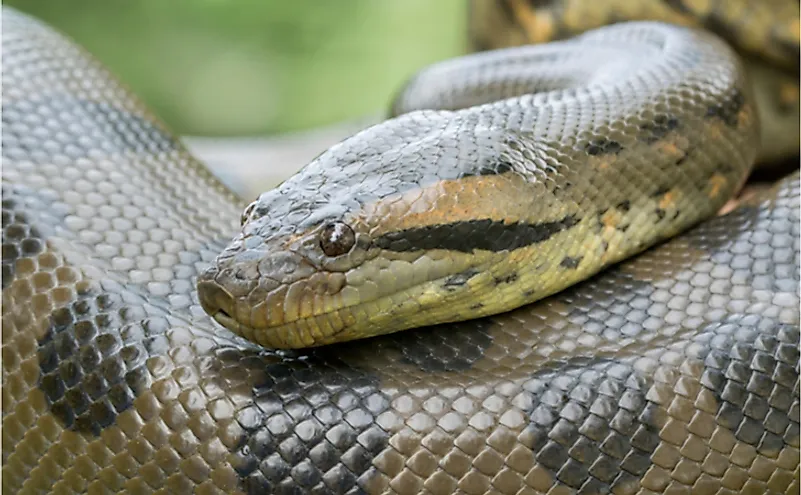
[
  {"x": 675, "y": 371},
  {"x": 765, "y": 33},
  {"x": 531, "y": 169}
]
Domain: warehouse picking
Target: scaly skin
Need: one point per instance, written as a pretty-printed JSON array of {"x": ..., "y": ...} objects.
[
  {"x": 765, "y": 33},
  {"x": 564, "y": 159},
  {"x": 676, "y": 371}
]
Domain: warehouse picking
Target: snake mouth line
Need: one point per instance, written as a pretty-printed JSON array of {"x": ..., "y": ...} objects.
[
  {"x": 297, "y": 325},
  {"x": 226, "y": 320}
]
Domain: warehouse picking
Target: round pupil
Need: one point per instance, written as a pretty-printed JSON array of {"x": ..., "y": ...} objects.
[{"x": 337, "y": 239}]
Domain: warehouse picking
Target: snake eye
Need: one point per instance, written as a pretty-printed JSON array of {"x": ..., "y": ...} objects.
[
  {"x": 337, "y": 239},
  {"x": 246, "y": 214}
]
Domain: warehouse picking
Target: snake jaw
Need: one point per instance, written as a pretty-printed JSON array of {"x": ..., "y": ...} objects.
[{"x": 226, "y": 320}]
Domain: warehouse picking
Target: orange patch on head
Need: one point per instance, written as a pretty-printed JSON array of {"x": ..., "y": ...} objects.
[{"x": 493, "y": 197}]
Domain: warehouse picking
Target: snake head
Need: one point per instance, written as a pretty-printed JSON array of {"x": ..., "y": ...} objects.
[
  {"x": 439, "y": 216},
  {"x": 378, "y": 234},
  {"x": 281, "y": 272}
]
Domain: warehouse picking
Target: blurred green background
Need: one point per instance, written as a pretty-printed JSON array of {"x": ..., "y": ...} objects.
[{"x": 256, "y": 67}]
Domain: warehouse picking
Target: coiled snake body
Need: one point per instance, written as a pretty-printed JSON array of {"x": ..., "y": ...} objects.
[{"x": 675, "y": 371}]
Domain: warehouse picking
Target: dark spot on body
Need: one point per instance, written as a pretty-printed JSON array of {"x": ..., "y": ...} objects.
[
  {"x": 727, "y": 110},
  {"x": 623, "y": 228},
  {"x": 683, "y": 159},
  {"x": 507, "y": 279},
  {"x": 476, "y": 306},
  {"x": 603, "y": 146},
  {"x": 27, "y": 219},
  {"x": 493, "y": 169},
  {"x": 624, "y": 205},
  {"x": 570, "y": 262},
  {"x": 87, "y": 374},
  {"x": 587, "y": 417},
  {"x": 660, "y": 192},
  {"x": 660, "y": 213},
  {"x": 740, "y": 370},
  {"x": 471, "y": 235},
  {"x": 310, "y": 426},
  {"x": 661, "y": 126},
  {"x": 460, "y": 279}
]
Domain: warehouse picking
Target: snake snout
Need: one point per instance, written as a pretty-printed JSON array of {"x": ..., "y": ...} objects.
[
  {"x": 218, "y": 290},
  {"x": 214, "y": 299},
  {"x": 249, "y": 289}
]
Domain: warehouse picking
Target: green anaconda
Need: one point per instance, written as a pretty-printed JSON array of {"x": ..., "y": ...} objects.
[
  {"x": 507, "y": 176},
  {"x": 672, "y": 372}
]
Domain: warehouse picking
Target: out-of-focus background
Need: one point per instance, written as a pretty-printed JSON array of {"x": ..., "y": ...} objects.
[
  {"x": 259, "y": 87},
  {"x": 255, "y": 67}
]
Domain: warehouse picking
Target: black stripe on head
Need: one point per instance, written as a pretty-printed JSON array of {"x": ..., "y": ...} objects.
[{"x": 471, "y": 235}]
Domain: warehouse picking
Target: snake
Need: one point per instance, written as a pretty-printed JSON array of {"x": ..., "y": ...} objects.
[
  {"x": 438, "y": 304},
  {"x": 766, "y": 35}
]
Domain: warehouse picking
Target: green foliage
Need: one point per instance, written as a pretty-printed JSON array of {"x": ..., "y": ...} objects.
[{"x": 238, "y": 67}]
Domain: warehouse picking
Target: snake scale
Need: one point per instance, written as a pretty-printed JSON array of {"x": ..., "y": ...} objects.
[{"x": 675, "y": 371}]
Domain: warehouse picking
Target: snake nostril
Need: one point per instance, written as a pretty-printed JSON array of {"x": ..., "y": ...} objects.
[{"x": 214, "y": 299}]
